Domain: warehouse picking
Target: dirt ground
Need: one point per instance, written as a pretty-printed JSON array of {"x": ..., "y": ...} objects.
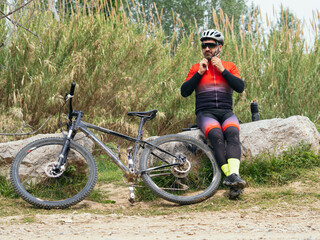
[{"x": 252, "y": 223}]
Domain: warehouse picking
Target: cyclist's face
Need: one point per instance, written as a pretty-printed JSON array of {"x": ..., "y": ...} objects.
[{"x": 209, "y": 47}]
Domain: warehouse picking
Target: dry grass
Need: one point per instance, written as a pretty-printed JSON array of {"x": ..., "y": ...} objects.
[{"x": 123, "y": 64}]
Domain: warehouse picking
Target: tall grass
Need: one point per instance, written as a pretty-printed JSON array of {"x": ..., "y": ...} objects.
[{"x": 122, "y": 64}]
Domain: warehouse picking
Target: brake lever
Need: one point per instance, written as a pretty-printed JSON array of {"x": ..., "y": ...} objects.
[{"x": 67, "y": 97}]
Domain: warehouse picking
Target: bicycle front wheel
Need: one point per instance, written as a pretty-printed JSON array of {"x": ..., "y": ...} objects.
[
  {"x": 193, "y": 181},
  {"x": 33, "y": 178}
]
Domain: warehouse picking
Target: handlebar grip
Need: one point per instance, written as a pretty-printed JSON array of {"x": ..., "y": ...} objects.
[{"x": 73, "y": 85}]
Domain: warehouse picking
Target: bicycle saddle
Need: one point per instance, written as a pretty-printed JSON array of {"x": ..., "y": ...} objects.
[{"x": 147, "y": 115}]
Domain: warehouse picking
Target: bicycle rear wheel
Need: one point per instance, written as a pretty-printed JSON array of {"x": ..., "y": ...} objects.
[
  {"x": 192, "y": 182},
  {"x": 33, "y": 179}
]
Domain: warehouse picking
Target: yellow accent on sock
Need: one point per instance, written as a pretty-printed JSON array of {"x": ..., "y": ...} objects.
[
  {"x": 234, "y": 165},
  {"x": 225, "y": 169}
]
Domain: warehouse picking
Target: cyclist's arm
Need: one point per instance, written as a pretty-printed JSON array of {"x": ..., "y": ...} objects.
[
  {"x": 190, "y": 84},
  {"x": 236, "y": 83}
]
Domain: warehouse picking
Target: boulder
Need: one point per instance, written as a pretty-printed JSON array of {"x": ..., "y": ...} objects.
[
  {"x": 277, "y": 135},
  {"x": 273, "y": 136},
  {"x": 9, "y": 150}
]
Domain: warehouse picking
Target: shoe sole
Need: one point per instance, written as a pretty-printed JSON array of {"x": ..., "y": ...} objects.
[
  {"x": 235, "y": 193},
  {"x": 235, "y": 185}
]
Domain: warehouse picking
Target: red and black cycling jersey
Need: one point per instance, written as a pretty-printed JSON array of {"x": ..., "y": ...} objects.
[{"x": 213, "y": 89}]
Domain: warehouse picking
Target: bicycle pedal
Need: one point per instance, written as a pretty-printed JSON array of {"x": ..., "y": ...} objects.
[{"x": 132, "y": 196}]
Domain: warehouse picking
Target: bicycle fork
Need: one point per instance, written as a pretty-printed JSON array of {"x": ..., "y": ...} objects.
[{"x": 60, "y": 166}]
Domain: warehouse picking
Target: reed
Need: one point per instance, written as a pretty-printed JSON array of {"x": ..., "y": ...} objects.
[{"x": 121, "y": 62}]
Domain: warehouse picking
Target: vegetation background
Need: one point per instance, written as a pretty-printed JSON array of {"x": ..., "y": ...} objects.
[{"x": 134, "y": 55}]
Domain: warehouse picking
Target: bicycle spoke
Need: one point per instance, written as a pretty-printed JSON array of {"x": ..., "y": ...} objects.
[
  {"x": 36, "y": 179},
  {"x": 189, "y": 173}
]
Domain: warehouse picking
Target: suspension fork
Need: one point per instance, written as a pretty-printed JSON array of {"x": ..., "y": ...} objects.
[{"x": 70, "y": 136}]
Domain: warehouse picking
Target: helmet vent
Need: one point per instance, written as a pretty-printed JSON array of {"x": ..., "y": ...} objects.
[{"x": 213, "y": 34}]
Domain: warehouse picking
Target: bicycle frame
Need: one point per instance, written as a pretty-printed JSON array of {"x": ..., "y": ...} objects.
[
  {"x": 74, "y": 125},
  {"x": 83, "y": 126}
]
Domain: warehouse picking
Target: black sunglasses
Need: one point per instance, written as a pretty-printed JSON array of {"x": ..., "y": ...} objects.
[{"x": 209, "y": 45}]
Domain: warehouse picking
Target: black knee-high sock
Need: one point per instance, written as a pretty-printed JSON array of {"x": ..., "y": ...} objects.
[
  {"x": 216, "y": 138},
  {"x": 233, "y": 148}
]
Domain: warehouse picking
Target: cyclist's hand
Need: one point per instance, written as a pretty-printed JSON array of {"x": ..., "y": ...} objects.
[
  {"x": 203, "y": 66},
  {"x": 217, "y": 62}
]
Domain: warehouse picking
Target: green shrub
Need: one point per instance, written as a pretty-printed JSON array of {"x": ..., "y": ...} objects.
[{"x": 272, "y": 170}]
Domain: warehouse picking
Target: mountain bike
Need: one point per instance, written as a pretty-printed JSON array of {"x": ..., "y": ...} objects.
[{"x": 59, "y": 172}]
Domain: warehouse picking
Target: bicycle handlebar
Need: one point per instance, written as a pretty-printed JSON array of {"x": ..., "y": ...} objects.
[{"x": 73, "y": 85}]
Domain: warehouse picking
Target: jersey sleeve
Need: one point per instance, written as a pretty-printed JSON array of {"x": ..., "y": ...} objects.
[
  {"x": 232, "y": 76},
  {"x": 234, "y": 70},
  {"x": 192, "y": 71},
  {"x": 191, "y": 82}
]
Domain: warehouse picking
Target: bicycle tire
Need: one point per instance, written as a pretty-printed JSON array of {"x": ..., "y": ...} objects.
[
  {"x": 31, "y": 178},
  {"x": 190, "y": 183}
]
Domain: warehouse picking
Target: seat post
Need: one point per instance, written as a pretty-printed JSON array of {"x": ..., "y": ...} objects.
[{"x": 140, "y": 133}]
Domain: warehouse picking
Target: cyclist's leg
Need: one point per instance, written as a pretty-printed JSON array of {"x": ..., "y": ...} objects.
[
  {"x": 211, "y": 127},
  {"x": 231, "y": 128}
]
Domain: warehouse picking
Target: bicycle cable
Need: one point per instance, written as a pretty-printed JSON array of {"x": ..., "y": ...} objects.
[{"x": 66, "y": 98}]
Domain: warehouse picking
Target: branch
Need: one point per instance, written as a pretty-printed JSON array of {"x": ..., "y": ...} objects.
[
  {"x": 17, "y": 9},
  {"x": 12, "y": 31},
  {"x": 23, "y": 134},
  {"x": 19, "y": 25}
]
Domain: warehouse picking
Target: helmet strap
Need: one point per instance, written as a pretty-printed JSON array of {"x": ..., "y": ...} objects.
[{"x": 217, "y": 52}]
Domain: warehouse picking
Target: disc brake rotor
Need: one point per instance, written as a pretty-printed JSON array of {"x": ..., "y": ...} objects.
[
  {"x": 181, "y": 171},
  {"x": 52, "y": 172}
]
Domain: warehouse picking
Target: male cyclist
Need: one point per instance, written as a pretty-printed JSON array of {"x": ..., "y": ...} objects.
[{"x": 214, "y": 81}]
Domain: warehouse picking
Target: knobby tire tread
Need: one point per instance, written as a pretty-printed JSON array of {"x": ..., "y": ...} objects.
[
  {"x": 14, "y": 175},
  {"x": 207, "y": 193}
]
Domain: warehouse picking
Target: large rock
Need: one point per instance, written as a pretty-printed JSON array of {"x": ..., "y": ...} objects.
[
  {"x": 277, "y": 135},
  {"x": 9, "y": 150},
  {"x": 273, "y": 136}
]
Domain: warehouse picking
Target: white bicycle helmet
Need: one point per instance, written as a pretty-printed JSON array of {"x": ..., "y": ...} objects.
[{"x": 213, "y": 34}]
